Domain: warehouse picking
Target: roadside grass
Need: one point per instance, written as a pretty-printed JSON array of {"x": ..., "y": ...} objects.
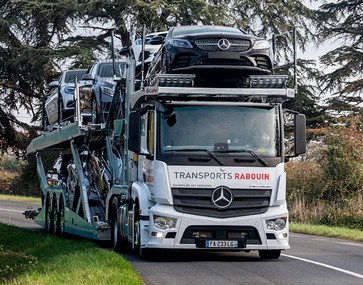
[
  {"x": 25, "y": 199},
  {"x": 39, "y": 258},
  {"x": 327, "y": 231}
]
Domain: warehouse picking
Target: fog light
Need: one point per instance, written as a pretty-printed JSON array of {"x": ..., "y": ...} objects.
[
  {"x": 276, "y": 224},
  {"x": 164, "y": 223}
]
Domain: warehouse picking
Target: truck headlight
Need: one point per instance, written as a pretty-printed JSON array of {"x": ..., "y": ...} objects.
[
  {"x": 164, "y": 223},
  {"x": 276, "y": 224}
]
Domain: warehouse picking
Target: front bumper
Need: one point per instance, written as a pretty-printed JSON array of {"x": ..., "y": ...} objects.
[{"x": 189, "y": 228}]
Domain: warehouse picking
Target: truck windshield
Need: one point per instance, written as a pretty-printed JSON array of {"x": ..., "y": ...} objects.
[{"x": 224, "y": 129}]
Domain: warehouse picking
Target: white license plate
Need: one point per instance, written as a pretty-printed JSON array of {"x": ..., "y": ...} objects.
[{"x": 221, "y": 243}]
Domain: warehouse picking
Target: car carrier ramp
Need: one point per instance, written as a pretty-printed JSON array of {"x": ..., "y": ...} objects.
[{"x": 59, "y": 139}]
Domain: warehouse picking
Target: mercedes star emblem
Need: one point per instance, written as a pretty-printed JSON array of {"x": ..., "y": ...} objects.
[
  {"x": 223, "y": 44},
  {"x": 222, "y": 197}
]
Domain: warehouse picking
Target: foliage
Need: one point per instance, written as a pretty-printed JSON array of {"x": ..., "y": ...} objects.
[
  {"x": 343, "y": 21},
  {"x": 343, "y": 163},
  {"x": 327, "y": 186}
]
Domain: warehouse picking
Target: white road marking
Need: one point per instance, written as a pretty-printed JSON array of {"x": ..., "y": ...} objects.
[
  {"x": 10, "y": 210},
  {"x": 326, "y": 265}
]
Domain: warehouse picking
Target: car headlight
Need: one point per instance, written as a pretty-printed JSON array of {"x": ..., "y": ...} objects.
[
  {"x": 164, "y": 223},
  {"x": 181, "y": 43},
  {"x": 261, "y": 44},
  {"x": 68, "y": 90},
  {"x": 107, "y": 91},
  {"x": 276, "y": 224}
]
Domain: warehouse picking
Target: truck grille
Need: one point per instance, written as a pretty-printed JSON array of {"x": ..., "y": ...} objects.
[
  {"x": 198, "y": 202},
  {"x": 211, "y": 44}
]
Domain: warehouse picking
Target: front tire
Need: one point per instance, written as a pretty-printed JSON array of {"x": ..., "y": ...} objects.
[
  {"x": 142, "y": 252},
  {"x": 269, "y": 254}
]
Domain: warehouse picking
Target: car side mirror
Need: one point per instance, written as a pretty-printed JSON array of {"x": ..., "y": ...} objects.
[
  {"x": 87, "y": 76},
  {"x": 54, "y": 84},
  {"x": 124, "y": 51},
  {"x": 158, "y": 40}
]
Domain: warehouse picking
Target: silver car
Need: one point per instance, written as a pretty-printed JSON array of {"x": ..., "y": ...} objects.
[{"x": 61, "y": 108}]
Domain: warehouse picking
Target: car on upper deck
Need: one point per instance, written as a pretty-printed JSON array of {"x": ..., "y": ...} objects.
[
  {"x": 96, "y": 88},
  {"x": 214, "y": 53},
  {"x": 59, "y": 104}
]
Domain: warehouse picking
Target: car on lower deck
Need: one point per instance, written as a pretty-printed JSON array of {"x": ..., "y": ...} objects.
[{"x": 215, "y": 53}]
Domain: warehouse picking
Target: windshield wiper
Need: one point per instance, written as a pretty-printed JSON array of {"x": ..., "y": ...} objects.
[
  {"x": 211, "y": 154},
  {"x": 259, "y": 158}
]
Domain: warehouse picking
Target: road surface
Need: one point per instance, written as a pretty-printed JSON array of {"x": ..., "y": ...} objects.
[{"x": 311, "y": 260}]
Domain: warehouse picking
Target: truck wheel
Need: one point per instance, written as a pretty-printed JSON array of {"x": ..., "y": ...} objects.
[
  {"x": 115, "y": 235},
  {"x": 269, "y": 254},
  {"x": 48, "y": 216},
  {"x": 142, "y": 252},
  {"x": 60, "y": 218}
]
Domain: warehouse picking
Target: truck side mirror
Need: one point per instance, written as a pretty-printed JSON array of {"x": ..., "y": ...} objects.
[
  {"x": 300, "y": 134},
  {"x": 134, "y": 131}
]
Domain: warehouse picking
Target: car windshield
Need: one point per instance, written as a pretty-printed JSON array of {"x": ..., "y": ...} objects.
[
  {"x": 106, "y": 69},
  {"x": 229, "y": 129},
  {"x": 188, "y": 30},
  {"x": 72, "y": 74}
]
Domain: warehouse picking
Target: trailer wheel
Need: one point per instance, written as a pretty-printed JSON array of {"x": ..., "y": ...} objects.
[
  {"x": 49, "y": 224},
  {"x": 269, "y": 254},
  {"x": 115, "y": 234},
  {"x": 55, "y": 215},
  {"x": 60, "y": 218}
]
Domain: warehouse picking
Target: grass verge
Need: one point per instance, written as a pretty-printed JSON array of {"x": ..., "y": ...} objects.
[
  {"x": 327, "y": 231},
  {"x": 38, "y": 258}
]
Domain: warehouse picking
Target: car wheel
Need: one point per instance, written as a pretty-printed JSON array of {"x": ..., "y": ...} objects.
[
  {"x": 164, "y": 64},
  {"x": 95, "y": 116}
]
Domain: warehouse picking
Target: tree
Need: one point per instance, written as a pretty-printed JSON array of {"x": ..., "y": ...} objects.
[
  {"x": 343, "y": 21},
  {"x": 37, "y": 36}
]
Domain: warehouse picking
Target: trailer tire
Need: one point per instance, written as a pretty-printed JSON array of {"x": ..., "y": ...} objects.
[
  {"x": 115, "y": 234},
  {"x": 49, "y": 224},
  {"x": 269, "y": 254},
  {"x": 60, "y": 218}
]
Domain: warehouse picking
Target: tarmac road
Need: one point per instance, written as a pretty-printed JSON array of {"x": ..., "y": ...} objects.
[
  {"x": 11, "y": 213},
  {"x": 311, "y": 260}
]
